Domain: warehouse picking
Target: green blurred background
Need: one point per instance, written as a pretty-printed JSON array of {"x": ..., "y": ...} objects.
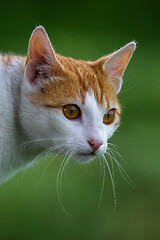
[{"x": 88, "y": 30}]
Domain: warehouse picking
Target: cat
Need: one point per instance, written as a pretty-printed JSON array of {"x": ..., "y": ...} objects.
[{"x": 52, "y": 102}]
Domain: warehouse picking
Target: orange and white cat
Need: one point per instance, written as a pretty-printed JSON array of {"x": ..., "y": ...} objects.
[{"x": 52, "y": 102}]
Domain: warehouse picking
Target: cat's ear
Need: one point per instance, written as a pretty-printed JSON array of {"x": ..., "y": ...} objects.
[
  {"x": 115, "y": 66},
  {"x": 41, "y": 59}
]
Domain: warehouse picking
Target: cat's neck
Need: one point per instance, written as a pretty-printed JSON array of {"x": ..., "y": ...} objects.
[
  {"x": 12, "y": 64},
  {"x": 11, "y": 77}
]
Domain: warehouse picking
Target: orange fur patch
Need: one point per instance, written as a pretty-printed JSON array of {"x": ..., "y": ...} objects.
[{"x": 72, "y": 83}]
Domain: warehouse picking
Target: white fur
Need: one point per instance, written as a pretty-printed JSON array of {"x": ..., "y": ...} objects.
[
  {"x": 21, "y": 121},
  {"x": 10, "y": 78}
]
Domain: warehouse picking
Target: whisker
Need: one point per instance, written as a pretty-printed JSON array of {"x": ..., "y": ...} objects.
[
  {"x": 112, "y": 168},
  {"x": 126, "y": 176},
  {"x": 36, "y": 158},
  {"x": 50, "y": 162},
  {"x": 64, "y": 165},
  {"x": 121, "y": 169},
  {"x": 32, "y": 141},
  {"x": 103, "y": 181},
  {"x": 42, "y": 154},
  {"x": 137, "y": 85},
  {"x": 112, "y": 156},
  {"x": 114, "y": 150},
  {"x": 36, "y": 141},
  {"x": 101, "y": 164},
  {"x": 24, "y": 144},
  {"x": 112, "y": 181},
  {"x": 58, "y": 175}
]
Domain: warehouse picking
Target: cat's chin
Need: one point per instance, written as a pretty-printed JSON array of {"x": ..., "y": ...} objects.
[{"x": 84, "y": 157}]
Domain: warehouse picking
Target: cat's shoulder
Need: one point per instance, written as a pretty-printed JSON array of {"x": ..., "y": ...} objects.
[{"x": 10, "y": 59}]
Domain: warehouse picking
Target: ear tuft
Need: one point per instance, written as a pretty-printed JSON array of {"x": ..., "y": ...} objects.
[
  {"x": 41, "y": 59},
  {"x": 115, "y": 66}
]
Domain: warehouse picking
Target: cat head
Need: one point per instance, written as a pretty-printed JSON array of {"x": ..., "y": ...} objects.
[{"x": 71, "y": 104}]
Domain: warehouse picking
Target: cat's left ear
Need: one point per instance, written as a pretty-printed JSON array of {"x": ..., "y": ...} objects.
[
  {"x": 41, "y": 60},
  {"x": 115, "y": 66}
]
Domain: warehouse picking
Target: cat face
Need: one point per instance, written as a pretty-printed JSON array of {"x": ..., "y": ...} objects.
[{"x": 71, "y": 104}]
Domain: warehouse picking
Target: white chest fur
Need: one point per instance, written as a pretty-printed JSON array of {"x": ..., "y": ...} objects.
[{"x": 11, "y": 75}]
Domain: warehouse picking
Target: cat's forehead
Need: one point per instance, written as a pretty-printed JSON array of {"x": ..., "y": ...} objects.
[
  {"x": 93, "y": 110},
  {"x": 78, "y": 79}
]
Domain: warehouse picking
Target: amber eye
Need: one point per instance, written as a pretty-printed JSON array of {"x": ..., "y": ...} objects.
[
  {"x": 109, "y": 117},
  {"x": 71, "y": 111}
]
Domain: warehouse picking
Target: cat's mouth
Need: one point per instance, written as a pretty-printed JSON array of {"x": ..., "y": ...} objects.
[{"x": 85, "y": 156}]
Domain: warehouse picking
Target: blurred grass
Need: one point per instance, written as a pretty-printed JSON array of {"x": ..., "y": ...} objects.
[{"x": 89, "y": 30}]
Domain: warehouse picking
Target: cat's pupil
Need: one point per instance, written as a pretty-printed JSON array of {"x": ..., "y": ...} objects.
[{"x": 72, "y": 109}]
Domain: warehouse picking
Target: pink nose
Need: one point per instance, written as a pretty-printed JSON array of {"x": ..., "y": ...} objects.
[{"x": 95, "y": 144}]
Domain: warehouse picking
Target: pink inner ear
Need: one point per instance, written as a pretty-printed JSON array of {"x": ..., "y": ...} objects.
[
  {"x": 119, "y": 64},
  {"x": 31, "y": 71},
  {"x": 41, "y": 50},
  {"x": 114, "y": 68},
  {"x": 40, "y": 47},
  {"x": 37, "y": 50}
]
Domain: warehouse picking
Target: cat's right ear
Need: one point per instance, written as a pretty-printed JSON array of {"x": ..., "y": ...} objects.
[
  {"x": 115, "y": 66},
  {"x": 41, "y": 60}
]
